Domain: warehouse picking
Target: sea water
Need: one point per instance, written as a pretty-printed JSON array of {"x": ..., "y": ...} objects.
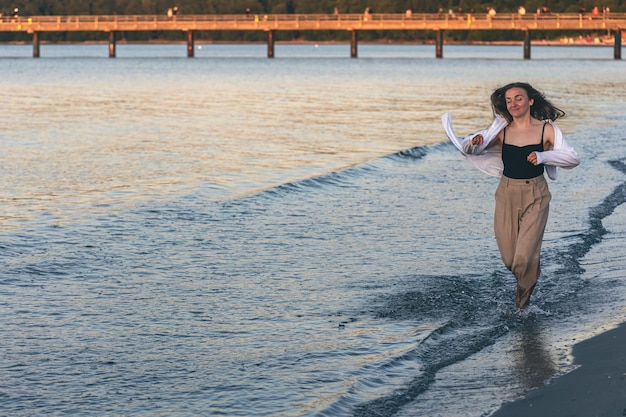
[{"x": 233, "y": 235}]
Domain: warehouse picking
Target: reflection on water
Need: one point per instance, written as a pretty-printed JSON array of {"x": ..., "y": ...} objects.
[{"x": 533, "y": 360}]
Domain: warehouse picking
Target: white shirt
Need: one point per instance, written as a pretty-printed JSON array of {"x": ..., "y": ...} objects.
[{"x": 490, "y": 162}]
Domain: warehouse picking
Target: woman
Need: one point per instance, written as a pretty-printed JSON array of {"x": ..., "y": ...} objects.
[{"x": 519, "y": 146}]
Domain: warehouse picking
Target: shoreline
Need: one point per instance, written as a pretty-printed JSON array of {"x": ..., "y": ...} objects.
[{"x": 596, "y": 388}]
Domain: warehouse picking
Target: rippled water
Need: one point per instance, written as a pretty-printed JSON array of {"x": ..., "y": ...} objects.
[{"x": 234, "y": 235}]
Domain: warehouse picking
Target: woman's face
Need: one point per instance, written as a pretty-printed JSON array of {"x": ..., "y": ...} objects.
[{"x": 517, "y": 101}]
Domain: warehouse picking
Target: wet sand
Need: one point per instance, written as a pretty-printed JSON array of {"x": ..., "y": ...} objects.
[{"x": 596, "y": 388}]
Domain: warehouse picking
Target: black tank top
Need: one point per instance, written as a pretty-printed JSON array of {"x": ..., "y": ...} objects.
[{"x": 514, "y": 158}]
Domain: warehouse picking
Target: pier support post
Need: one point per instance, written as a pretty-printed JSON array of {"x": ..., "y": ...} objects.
[
  {"x": 112, "y": 36},
  {"x": 35, "y": 44},
  {"x": 190, "y": 43},
  {"x": 439, "y": 44},
  {"x": 354, "y": 44},
  {"x": 617, "y": 50},
  {"x": 270, "y": 44},
  {"x": 526, "y": 44}
]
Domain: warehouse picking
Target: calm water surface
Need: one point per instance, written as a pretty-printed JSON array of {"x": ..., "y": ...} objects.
[{"x": 234, "y": 235}]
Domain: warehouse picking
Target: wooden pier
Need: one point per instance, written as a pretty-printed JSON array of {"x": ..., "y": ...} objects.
[{"x": 612, "y": 23}]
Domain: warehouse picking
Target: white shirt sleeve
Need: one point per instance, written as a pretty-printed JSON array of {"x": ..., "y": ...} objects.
[
  {"x": 562, "y": 155},
  {"x": 563, "y": 158},
  {"x": 488, "y": 161}
]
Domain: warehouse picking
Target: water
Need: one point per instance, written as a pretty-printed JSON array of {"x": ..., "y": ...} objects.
[{"x": 238, "y": 236}]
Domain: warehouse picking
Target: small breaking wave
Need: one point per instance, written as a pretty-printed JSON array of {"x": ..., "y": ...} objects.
[
  {"x": 341, "y": 178},
  {"x": 575, "y": 252}
]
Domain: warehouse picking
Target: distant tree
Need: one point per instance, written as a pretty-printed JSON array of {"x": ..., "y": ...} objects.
[{"x": 51, "y": 7}]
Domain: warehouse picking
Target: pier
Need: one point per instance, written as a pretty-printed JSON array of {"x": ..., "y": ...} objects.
[{"x": 612, "y": 23}]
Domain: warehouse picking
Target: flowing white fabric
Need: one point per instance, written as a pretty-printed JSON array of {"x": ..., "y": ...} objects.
[{"x": 489, "y": 160}]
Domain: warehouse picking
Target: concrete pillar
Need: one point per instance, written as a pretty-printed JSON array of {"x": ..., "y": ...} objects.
[
  {"x": 439, "y": 44},
  {"x": 190, "y": 43},
  {"x": 270, "y": 44},
  {"x": 354, "y": 44},
  {"x": 617, "y": 50},
  {"x": 112, "y": 36},
  {"x": 35, "y": 44},
  {"x": 527, "y": 44}
]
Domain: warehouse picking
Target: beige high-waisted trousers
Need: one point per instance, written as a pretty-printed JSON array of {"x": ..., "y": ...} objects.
[{"x": 520, "y": 219}]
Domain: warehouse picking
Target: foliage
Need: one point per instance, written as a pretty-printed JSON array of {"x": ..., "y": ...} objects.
[{"x": 75, "y": 7}]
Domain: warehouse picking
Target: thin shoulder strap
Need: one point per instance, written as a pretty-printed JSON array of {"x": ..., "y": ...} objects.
[
  {"x": 542, "y": 132},
  {"x": 503, "y": 135}
]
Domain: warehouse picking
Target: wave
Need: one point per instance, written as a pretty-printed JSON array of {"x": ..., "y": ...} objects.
[
  {"x": 417, "y": 152},
  {"x": 463, "y": 302},
  {"x": 596, "y": 230},
  {"x": 333, "y": 179},
  {"x": 345, "y": 176}
]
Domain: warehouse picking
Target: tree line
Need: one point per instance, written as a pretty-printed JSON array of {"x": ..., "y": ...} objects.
[
  {"x": 102, "y": 7},
  {"x": 120, "y": 7}
]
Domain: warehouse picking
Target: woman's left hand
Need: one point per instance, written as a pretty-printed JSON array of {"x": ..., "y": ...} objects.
[{"x": 532, "y": 158}]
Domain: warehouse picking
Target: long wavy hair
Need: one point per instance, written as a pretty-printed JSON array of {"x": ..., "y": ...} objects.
[{"x": 541, "y": 109}]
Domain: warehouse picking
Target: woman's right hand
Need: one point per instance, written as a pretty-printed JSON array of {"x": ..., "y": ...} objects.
[{"x": 477, "y": 140}]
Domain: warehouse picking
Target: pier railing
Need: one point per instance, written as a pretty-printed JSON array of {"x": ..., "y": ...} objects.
[{"x": 400, "y": 21}]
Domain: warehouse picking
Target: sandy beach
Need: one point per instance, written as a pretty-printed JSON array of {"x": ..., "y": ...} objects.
[{"x": 596, "y": 388}]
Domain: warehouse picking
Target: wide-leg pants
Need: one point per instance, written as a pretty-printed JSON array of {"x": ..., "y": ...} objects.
[{"x": 520, "y": 219}]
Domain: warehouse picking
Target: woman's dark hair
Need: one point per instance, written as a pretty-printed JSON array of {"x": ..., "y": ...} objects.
[{"x": 541, "y": 109}]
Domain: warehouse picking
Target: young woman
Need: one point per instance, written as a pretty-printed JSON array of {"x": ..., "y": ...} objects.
[{"x": 520, "y": 145}]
